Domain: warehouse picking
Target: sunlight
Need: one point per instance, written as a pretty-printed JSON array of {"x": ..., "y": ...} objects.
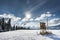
[{"x": 28, "y": 14}]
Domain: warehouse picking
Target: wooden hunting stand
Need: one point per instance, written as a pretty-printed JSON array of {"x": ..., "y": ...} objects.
[{"x": 43, "y": 29}]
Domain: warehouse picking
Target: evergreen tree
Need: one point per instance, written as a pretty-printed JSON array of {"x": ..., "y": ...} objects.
[
  {"x": 9, "y": 25},
  {"x": 2, "y": 24}
]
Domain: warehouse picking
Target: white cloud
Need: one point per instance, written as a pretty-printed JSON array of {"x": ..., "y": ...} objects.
[
  {"x": 38, "y": 18},
  {"x": 33, "y": 25},
  {"x": 54, "y": 22},
  {"x": 51, "y": 22},
  {"x": 24, "y": 19},
  {"x": 31, "y": 19},
  {"x": 48, "y": 14},
  {"x": 43, "y": 16}
]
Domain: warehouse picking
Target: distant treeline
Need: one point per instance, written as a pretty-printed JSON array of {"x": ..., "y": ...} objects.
[{"x": 7, "y": 26}]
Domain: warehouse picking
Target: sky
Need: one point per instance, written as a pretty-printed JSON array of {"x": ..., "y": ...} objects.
[{"x": 29, "y": 13}]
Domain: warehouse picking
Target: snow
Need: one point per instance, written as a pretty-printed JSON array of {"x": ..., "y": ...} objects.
[{"x": 29, "y": 35}]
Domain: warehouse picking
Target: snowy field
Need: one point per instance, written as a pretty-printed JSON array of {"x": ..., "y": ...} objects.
[{"x": 29, "y": 35}]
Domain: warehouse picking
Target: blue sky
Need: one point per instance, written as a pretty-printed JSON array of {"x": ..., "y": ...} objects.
[{"x": 17, "y": 9}]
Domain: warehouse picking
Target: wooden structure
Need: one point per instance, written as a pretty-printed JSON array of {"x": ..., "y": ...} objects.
[
  {"x": 42, "y": 26},
  {"x": 43, "y": 29}
]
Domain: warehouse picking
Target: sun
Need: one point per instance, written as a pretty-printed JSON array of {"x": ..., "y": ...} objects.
[{"x": 28, "y": 14}]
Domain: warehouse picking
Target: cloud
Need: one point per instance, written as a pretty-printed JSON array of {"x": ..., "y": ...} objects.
[
  {"x": 25, "y": 19},
  {"x": 54, "y": 22},
  {"x": 43, "y": 16},
  {"x": 51, "y": 23},
  {"x": 14, "y": 19},
  {"x": 33, "y": 25},
  {"x": 37, "y": 19},
  {"x": 31, "y": 19}
]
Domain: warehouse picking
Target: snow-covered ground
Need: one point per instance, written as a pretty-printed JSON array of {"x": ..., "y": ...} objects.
[{"x": 29, "y": 35}]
